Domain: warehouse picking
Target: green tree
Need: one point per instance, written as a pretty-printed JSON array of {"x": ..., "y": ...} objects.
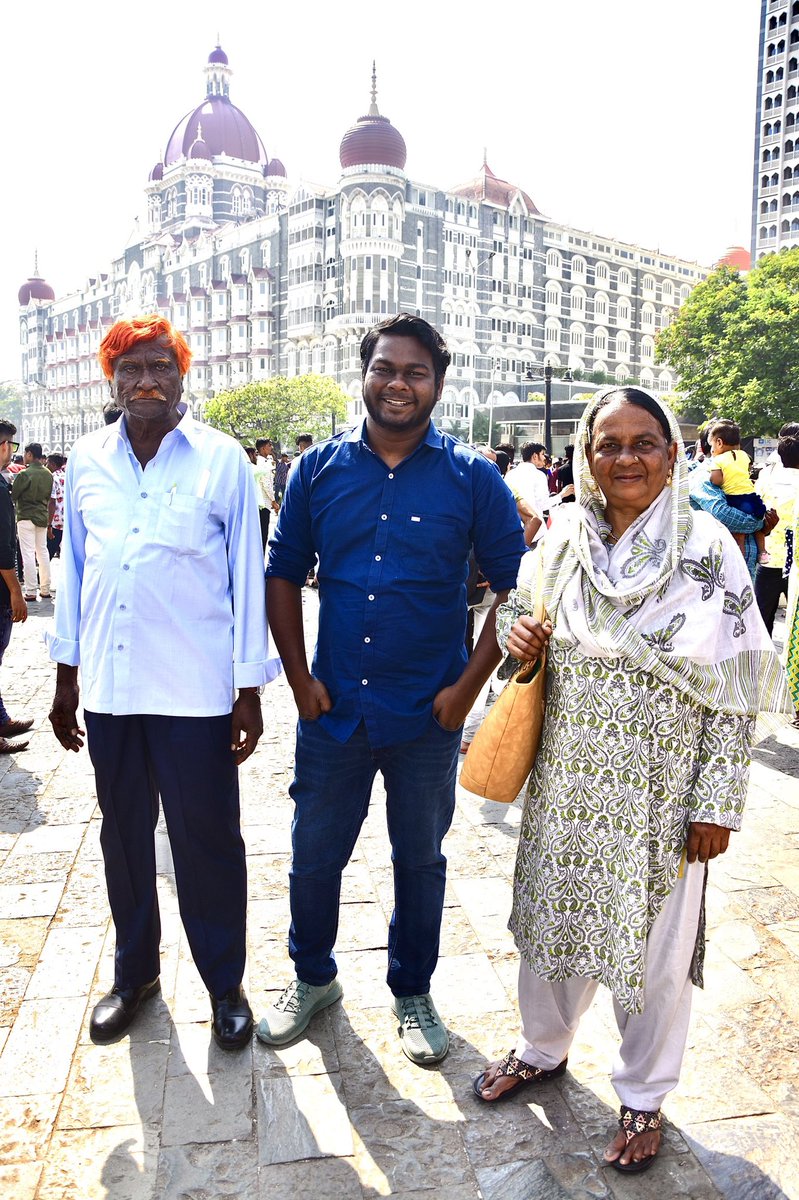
[
  {"x": 11, "y": 396},
  {"x": 279, "y": 408},
  {"x": 735, "y": 346}
]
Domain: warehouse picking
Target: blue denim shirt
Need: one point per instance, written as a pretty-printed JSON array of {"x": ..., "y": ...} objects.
[
  {"x": 393, "y": 545},
  {"x": 705, "y": 495}
]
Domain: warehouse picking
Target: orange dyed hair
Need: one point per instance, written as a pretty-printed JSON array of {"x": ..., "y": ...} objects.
[{"x": 125, "y": 334}]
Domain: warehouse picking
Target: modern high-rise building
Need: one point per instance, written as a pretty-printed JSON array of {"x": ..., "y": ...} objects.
[
  {"x": 775, "y": 191},
  {"x": 268, "y": 276}
]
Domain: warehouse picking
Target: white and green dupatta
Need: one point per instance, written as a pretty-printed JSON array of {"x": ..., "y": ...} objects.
[{"x": 673, "y": 596}]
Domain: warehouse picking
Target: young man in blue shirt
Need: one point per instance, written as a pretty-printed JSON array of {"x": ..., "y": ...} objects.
[{"x": 392, "y": 509}]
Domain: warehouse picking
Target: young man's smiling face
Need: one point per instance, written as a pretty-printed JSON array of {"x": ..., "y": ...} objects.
[{"x": 399, "y": 386}]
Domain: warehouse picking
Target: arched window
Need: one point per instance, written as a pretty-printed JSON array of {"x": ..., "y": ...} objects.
[
  {"x": 623, "y": 310},
  {"x": 769, "y": 77},
  {"x": 577, "y": 337},
  {"x": 785, "y": 227},
  {"x": 795, "y": 225},
  {"x": 648, "y": 285},
  {"x": 553, "y": 295},
  {"x": 778, "y": 126},
  {"x": 602, "y": 273},
  {"x": 667, "y": 291},
  {"x": 779, "y": 74},
  {"x": 577, "y": 301},
  {"x": 791, "y": 93},
  {"x": 789, "y": 147},
  {"x": 767, "y": 129},
  {"x": 787, "y": 174},
  {"x": 600, "y": 304},
  {"x": 769, "y": 103},
  {"x": 794, "y": 36},
  {"x": 552, "y": 332},
  {"x": 625, "y": 278},
  {"x": 772, "y": 206},
  {"x": 763, "y": 232},
  {"x": 772, "y": 23},
  {"x": 647, "y": 348},
  {"x": 772, "y": 231},
  {"x": 578, "y": 267},
  {"x": 764, "y": 207},
  {"x": 600, "y": 341},
  {"x": 764, "y": 181},
  {"x": 778, "y": 101},
  {"x": 775, "y": 179},
  {"x": 792, "y": 66},
  {"x": 648, "y": 315},
  {"x": 553, "y": 262},
  {"x": 772, "y": 50}
]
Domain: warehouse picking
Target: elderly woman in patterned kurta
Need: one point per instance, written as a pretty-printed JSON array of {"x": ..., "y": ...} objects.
[{"x": 658, "y": 662}]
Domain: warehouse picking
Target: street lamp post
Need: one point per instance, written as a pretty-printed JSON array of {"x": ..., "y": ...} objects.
[{"x": 548, "y": 408}]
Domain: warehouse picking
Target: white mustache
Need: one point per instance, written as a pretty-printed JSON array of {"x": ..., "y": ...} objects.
[{"x": 149, "y": 396}]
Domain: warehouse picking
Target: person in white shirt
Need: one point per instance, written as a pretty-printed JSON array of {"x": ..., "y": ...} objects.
[
  {"x": 528, "y": 482},
  {"x": 264, "y": 467},
  {"x": 161, "y": 604}
]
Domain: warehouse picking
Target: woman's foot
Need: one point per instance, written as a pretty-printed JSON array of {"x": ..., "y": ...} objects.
[
  {"x": 635, "y": 1146},
  {"x": 511, "y": 1074}
]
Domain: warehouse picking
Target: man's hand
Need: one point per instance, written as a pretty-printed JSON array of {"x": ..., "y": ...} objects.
[
  {"x": 312, "y": 698},
  {"x": 706, "y": 841},
  {"x": 19, "y": 609},
  {"x": 528, "y": 638},
  {"x": 770, "y": 520},
  {"x": 247, "y": 724},
  {"x": 451, "y": 707},
  {"x": 63, "y": 714}
]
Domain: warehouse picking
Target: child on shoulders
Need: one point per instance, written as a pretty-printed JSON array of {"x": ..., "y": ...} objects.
[{"x": 730, "y": 472}]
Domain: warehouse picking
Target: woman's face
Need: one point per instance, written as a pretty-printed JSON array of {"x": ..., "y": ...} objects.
[{"x": 629, "y": 456}]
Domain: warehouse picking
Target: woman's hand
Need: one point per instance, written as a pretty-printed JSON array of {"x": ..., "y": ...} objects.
[{"x": 528, "y": 638}]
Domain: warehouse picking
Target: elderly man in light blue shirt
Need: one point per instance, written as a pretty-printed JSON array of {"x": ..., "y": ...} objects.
[{"x": 161, "y": 606}]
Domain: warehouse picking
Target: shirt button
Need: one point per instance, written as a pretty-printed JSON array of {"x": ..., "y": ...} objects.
[
  {"x": 144, "y": 495},
  {"x": 384, "y": 516},
  {"x": 364, "y": 682},
  {"x": 367, "y": 640},
  {"x": 391, "y": 474},
  {"x": 120, "y": 646},
  {"x": 378, "y": 557},
  {"x": 122, "y": 607},
  {"x": 370, "y": 597},
  {"x": 135, "y": 529},
  {"x": 126, "y": 567}
]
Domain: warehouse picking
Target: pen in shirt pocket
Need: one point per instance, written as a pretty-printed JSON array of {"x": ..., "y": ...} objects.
[{"x": 172, "y": 491}]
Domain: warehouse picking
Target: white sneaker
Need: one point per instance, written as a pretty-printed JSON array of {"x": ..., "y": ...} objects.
[
  {"x": 423, "y": 1034},
  {"x": 292, "y": 1012}
]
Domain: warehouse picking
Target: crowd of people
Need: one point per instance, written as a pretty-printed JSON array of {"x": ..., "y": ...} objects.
[{"x": 658, "y": 662}]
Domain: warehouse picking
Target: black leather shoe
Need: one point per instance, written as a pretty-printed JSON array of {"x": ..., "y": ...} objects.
[
  {"x": 112, "y": 1015},
  {"x": 232, "y": 1019}
]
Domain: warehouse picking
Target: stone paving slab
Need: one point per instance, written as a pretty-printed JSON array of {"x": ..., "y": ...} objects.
[{"x": 341, "y": 1114}]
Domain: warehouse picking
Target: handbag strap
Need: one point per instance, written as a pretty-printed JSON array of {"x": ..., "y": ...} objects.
[{"x": 539, "y": 609}]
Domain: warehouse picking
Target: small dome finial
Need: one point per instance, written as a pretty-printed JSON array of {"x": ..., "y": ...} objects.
[
  {"x": 36, "y": 263},
  {"x": 374, "y": 111}
]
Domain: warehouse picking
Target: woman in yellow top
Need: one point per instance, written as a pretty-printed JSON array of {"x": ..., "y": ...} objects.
[{"x": 731, "y": 473}]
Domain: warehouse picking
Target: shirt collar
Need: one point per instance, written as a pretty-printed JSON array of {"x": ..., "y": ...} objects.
[
  {"x": 431, "y": 438},
  {"x": 116, "y": 434}
]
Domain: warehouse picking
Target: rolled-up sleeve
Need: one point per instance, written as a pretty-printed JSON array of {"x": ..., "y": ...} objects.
[{"x": 497, "y": 532}]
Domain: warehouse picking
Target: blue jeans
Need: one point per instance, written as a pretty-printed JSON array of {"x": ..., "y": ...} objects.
[
  {"x": 6, "y": 621},
  {"x": 331, "y": 790}
]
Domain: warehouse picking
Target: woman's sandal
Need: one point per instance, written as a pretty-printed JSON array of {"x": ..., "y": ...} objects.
[
  {"x": 522, "y": 1072},
  {"x": 632, "y": 1122}
]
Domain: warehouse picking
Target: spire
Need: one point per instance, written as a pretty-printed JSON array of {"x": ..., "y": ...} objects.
[
  {"x": 217, "y": 73},
  {"x": 374, "y": 111},
  {"x": 36, "y": 264}
]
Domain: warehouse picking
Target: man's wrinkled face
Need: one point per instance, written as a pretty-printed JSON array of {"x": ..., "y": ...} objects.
[{"x": 147, "y": 384}]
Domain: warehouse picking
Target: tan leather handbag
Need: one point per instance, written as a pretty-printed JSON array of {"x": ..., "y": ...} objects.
[{"x": 503, "y": 750}]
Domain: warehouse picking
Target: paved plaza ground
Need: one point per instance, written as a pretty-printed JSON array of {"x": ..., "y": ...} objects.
[{"x": 342, "y": 1114}]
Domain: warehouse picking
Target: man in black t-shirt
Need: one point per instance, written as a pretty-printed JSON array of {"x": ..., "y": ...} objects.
[{"x": 12, "y": 604}]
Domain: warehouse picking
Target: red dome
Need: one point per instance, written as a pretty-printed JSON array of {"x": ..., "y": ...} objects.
[
  {"x": 218, "y": 56},
  {"x": 35, "y": 289},
  {"x": 487, "y": 186},
  {"x": 225, "y": 130},
  {"x": 736, "y": 257},
  {"x": 373, "y": 139}
]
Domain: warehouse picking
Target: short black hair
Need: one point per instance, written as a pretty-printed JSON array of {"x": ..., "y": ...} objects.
[
  {"x": 641, "y": 400},
  {"x": 406, "y": 325},
  {"x": 728, "y": 431},
  {"x": 569, "y": 452},
  {"x": 788, "y": 450},
  {"x": 35, "y": 449},
  {"x": 531, "y": 448},
  {"x": 303, "y": 437},
  {"x": 789, "y": 429},
  {"x": 111, "y": 413},
  {"x": 704, "y": 442},
  {"x": 261, "y": 442},
  {"x": 7, "y": 428}
]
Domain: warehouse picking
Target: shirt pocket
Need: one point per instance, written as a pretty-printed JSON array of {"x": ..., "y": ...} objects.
[
  {"x": 432, "y": 548},
  {"x": 182, "y": 524}
]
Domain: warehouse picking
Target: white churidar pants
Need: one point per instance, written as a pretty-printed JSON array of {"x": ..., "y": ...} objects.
[
  {"x": 648, "y": 1064},
  {"x": 33, "y": 546}
]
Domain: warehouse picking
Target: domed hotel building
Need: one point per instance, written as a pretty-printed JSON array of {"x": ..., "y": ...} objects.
[{"x": 268, "y": 276}]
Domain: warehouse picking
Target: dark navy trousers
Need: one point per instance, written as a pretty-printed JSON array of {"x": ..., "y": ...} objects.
[{"x": 188, "y": 762}]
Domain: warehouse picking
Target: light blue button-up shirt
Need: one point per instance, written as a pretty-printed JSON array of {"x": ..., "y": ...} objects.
[{"x": 161, "y": 595}]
